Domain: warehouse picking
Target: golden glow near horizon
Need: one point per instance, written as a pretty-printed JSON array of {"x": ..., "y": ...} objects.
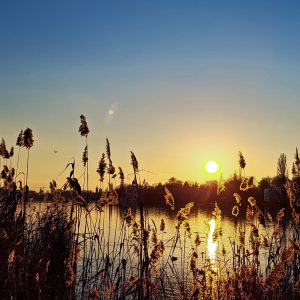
[
  {"x": 197, "y": 110},
  {"x": 211, "y": 167},
  {"x": 211, "y": 245}
]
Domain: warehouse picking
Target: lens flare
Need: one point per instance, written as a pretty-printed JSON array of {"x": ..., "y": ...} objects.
[{"x": 110, "y": 112}]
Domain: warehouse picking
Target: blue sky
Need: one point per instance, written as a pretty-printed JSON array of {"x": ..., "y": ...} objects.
[{"x": 187, "y": 81}]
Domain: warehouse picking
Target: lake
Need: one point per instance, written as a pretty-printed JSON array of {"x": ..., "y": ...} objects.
[{"x": 109, "y": 238}]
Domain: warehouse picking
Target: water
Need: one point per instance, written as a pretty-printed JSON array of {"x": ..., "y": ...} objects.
[{"x": 107, "y": 235}]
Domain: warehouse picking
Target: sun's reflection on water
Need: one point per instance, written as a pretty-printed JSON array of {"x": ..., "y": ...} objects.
[{"x": 211, "y": 244}]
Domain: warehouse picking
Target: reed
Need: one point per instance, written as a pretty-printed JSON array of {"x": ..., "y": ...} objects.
[{"x": 67, "y": 247}]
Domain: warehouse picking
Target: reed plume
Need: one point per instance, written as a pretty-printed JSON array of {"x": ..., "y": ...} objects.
[
  {"x": 121, "y": 176},
  {"x": 111, "y": 169},
  {"x": 83, "y": 128},
  {"x": 108, "y": 153},
  {"x": 28, "y": 138},
  {"x": 297, "y": 159},
  {"x": 20, "y": 139},
  {"x": 162, "y": 225},
  {"x": 85, "y": 156},
  {"x": 134, "y": 162},
  {"x": 101, "y": 167},
  {"x": 19, "y": 143},
  {"x": 52, "y": 186},
  {"x": 6, "y": 154},
  {"x": 184, "y": 212},
  {"x": 169, "y": 198},
  {"x": 11, "y": 152},
  {"x": 242, "y": 161},
  {"x": 2, "y": 148}
]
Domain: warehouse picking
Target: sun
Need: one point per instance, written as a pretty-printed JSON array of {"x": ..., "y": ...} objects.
[{"x": 211, "y": 167}]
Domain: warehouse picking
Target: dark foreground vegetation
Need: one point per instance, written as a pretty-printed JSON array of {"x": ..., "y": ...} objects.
[{"x": 77, "y": 250}]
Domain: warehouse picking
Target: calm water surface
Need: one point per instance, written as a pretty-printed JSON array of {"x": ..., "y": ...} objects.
[{"x": 111, "y": 231}]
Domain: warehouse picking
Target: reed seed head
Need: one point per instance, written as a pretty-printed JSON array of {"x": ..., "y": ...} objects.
[
  {"x": 101, "y": 167},
  {"x": 85, "y": 156},
  {"x": 83, "y": 128},
  {"x": 28, "y": 138},
  {"x": 2, "y": 148},
  {"x": 169, "y": 198},
  {"x": 11, "y": 152},
  {"x": 242, "y": 161},
  {"x": 20, "y": 139},
  {"x": 121, "y": 176},
  {"x": 134, "y": 162}
]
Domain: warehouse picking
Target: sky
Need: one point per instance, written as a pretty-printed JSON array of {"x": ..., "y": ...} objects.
[{"x": 176, "y": 82}]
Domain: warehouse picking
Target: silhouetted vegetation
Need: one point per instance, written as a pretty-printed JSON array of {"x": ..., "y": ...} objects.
[{"x": 74, "y": 247}]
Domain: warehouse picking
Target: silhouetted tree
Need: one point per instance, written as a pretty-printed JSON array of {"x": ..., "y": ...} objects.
[
  {"x": 264, "y": 183},
  {"x": 279, "y": 181},
  {"x": 282, "y": 167},
  {"x": 174, "y": 181}
]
